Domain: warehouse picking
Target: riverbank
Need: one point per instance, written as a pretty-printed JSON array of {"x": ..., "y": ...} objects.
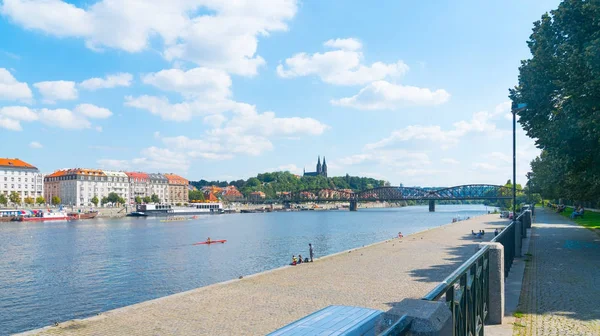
[{"x": 375, "y": 276}]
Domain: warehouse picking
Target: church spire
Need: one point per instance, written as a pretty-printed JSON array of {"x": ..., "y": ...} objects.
[
  {"x": 319, "y": 165},
  {"x": 324, "y": 168}
]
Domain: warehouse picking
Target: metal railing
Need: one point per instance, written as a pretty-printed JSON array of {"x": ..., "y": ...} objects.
[
  {"x": 507, "y": 238},
  {"x": 467, "y": 294}
]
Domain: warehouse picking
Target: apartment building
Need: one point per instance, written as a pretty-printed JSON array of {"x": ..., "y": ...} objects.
[
  {"x": 159, "y": 186},
  {"x": 178, "y": 189},
  {"x": 21, "y": 177}
]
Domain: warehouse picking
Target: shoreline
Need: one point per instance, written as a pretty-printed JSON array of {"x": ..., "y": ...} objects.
[{"x": 240, "y": 282}]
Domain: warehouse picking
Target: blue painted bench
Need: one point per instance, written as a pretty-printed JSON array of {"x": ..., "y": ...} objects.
[{"x": 334, "y": 320}]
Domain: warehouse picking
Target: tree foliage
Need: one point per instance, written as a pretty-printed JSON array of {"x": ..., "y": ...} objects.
[
  {"x": 273, "y": 182},
  {"x": 40, "y": 200},
  {"x": 55, "y": 200},
  {"x": 138, "y": 200},
  {"x": 95, "y": 200},
  {"x": 155, "y": 198},
  {"x": 115, "y": 198},
  {"x": 3, "y": 200},
  {"x": 29, "y": 200},
  {"x": 561, "y": 86},
  {"x": 14, "y": 197},
  {"x": 147, "y": 199},
  {"x": 196, "y": 195}
]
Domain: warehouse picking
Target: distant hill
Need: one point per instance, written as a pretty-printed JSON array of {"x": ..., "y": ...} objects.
[{"x": 271, "y": 183}]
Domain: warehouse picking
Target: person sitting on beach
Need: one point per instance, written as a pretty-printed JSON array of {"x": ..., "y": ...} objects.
[
  {"x": 400, "y": 235},
  {"x": 473, "y": 233},
  {"x": 496, "y": 232},
  {"x": 294, "y": 261},
  {"x": 479, "y": 235},
  {"x": 299, "y": 258}
]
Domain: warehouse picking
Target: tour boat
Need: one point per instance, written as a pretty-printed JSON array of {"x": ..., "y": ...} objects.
[
  {"x": 45, "y": 216},
  {"x": 169, "y": 210},
  {"x": 10, "y": 215}
]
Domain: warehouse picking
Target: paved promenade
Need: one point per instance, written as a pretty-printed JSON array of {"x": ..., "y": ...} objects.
[
  {"x": 561, "y": 287},
  {"x": 376, "y": 276}
]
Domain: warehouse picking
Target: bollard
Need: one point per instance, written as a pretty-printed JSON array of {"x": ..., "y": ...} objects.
[
  {"x": 518, "y": 238},
  {"x": 496, "y": 302},
  {"x": 428, "y": 318}
]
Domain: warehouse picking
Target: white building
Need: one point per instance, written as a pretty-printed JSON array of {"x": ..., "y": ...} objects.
[
  {"x": 79, "y": 186},
  {"x": 159, "y": 186},
  {"x": 20, "y": 177}
]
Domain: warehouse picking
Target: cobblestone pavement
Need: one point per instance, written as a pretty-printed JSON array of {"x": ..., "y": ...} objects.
[
  {"x": 561, "y": 286},
  {"x": 376, "y": 276}
]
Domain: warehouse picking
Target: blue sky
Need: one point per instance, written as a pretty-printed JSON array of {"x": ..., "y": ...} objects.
[{"x": 410, "y": 92}]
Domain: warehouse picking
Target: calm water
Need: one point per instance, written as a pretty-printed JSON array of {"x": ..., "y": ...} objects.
[{"x": 60, "y": 271}]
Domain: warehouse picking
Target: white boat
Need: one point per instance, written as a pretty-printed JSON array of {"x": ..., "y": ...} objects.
[
  {"x": 169, "y": 210},
  {"x": 45, "y": 216}
]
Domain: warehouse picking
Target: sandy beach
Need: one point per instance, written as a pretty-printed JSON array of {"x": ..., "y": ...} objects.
[{"x": 376, "y": 276}]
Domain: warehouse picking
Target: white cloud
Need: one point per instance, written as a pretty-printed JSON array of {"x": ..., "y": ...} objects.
[
  {"x": 217, "y": 34},
  {"x": 110, "y": 81},
  {"x": 21, "y": 113},
  {"x": 93, "y": 111},
  {"x": 485, "y": 166},
  {"x": 11, "y": 89},
  {"x": 183, "y": 111},
  {"x": 417, "y": 132},
  {"x": 162, "y": 159},
  {"x": 215, "y": 120},
  {"x": 340, "y": 67},
  {"x": 292, "y": 168},
  {"x": 499, "y": 157},
  {"x": 502, "y": 108},
  {"x": 344, "y": 44},
  {"x": 389, "y": 158},
  {"x": 63, "y": 118},
  {"x": 35, "y": 144},
  {"x": 207, "y": 83},
  {"x": 99, "y": 129},
  {"x": 450, "y": 161},
  {"x": 382, "y": 95},
  {"x": 57, "y": 90},
  {"x": 10, "y": 124}
]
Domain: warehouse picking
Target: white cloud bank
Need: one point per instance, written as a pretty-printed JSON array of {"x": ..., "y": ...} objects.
[
  {"x": 110, "y": 81},
  {"x": 12, "y": 116},
  {"x": 382, "y": 95},
  {"x": 11, "y": 89},
  {"x": 216, "y": 34},
  {"x": 57, "y": 90},
  {"x": 340, "y": 67}
]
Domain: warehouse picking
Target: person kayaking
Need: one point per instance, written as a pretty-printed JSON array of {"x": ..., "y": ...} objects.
[{"x": 208, "y": 241}]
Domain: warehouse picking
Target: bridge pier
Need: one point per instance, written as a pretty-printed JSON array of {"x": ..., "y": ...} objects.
[
  {"x": 353, "y": 205},
  {"x": 287, "y": 205},
  {"x": 431, "y": 205}
]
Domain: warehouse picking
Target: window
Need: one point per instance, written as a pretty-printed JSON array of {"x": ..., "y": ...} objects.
[
  {"x": 12, "y": 179},
  {"x": 26, "y": 179}
]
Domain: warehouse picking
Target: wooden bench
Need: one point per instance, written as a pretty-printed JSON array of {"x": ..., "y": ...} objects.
[{"x": 334, "y": 320}]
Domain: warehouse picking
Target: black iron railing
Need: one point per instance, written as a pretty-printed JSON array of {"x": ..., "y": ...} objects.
[
  {"x": 466, "y": 292},
  {"x": 507, "y": 239}
]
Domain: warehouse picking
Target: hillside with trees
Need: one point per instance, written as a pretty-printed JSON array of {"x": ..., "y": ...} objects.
[
  {"x": 561, "y": 86},
  {"x": 271, "y": 183}
]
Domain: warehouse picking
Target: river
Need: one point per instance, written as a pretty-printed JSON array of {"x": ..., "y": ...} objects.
[{"x": 60, "y": 271}]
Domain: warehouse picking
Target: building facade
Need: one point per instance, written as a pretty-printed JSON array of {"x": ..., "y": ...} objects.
[
  {"x": 178, "y": 189},
  {"x": 78, "y": 186},
  {"x": 321, "y": 169},
  {"x": 159, "y": 186},
  {"x": 139, "y": 185},
  {"x": 21, "y": 177}
]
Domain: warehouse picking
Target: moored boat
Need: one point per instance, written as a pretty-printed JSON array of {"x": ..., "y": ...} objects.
[
  {"x": 39, "y": 215},
  {"x": 83, "y": 215},
  {"x": 10, "y": 215}
]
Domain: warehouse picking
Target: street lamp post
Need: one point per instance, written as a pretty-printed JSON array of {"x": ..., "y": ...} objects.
[{"x": 514, "y": 109}]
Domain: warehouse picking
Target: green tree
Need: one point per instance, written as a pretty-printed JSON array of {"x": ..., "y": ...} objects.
[
  {"x": 14, "y": 197},
  {"x": 253, "y": 182},
  {"x": 561, "y": 88},
  {"x": 95, "y": 200},
  {"x": 55, "y": 200},
  {"x": 40, "y": 200},
  {"x": 155, "y": 198},
  {"x": 196, "y": 195},
  {"x": 104, "y": 200},
  {"x": 147, "y": 199},
  {"x": 29, "y": 200},
  {"x": 138, "y": 200},
  {"x": 3, "y": 200},
  {"x": 115, "y": 198}
]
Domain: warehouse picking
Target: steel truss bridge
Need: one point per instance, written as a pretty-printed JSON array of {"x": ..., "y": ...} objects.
[{"x": 391, "y": 194}]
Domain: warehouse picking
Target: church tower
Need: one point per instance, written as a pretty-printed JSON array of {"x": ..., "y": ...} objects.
[
  {"x": 324, "y": 168},
  {"x": 319, "y": 166}
]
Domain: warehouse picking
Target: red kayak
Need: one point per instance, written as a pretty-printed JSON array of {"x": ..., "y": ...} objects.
[{"x": 211, "y": 242}]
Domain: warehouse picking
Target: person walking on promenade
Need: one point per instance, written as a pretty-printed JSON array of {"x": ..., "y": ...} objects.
[{"x": 310, "y": 252}]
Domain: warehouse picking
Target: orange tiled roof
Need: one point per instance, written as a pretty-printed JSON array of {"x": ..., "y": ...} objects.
[
  {"x": 16, "y": 163},
  {"x": 176, "y": 179},
  {"x": 58, "y": 173}
]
